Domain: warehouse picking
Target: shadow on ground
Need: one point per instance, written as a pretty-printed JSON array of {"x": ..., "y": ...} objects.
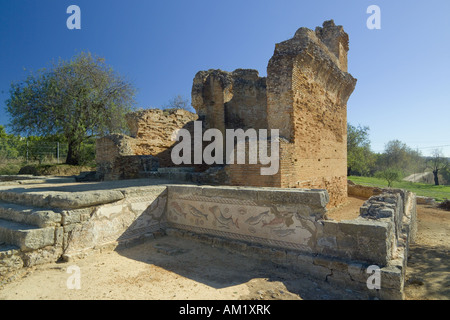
[
  {"x": 428, "y": 273},
  {"x": 219, "y": 268}
]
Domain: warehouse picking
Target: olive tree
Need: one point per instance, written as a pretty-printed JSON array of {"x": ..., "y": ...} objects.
[
  {"x": 80, "y": 98},
  {"x": 437, "y": 163}
]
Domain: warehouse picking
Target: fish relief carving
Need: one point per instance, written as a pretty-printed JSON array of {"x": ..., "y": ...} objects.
[
  {"x": 258, "y": 218},
  {"x": 224, "y": 222},
  {"x": 197, "y": 213},
  {"x": 281, "y": 218},
  {"x": 178, "y": 210}
]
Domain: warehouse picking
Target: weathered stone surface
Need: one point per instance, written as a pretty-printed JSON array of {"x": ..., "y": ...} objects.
[
  {"x": 10, "y": 261},
  {"x": 41, "y": 256},
  {"x": 266, "y": 216},
  {"x": 425, "y": 200},
  {"x": 26, "y": 237},
  {"x": 360, "y": 191},
  {"x": 74, "y": 200},
  {"x": 29, "y": 215},
  {"x": 230, "y": 100},
  {"x": 125, "y": 220},
  {"x": 153, "y": 133}
]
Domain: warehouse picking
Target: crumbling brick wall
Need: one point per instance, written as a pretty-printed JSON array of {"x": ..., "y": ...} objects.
[
  {"x": 304, "y": 96},
  {"x": 230, "y": 100},
  {"x": 307, "y": 89},
  {"x": 152, "y": 134}
]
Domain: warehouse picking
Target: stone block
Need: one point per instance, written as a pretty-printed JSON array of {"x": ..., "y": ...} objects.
[
  {"x": 369, "y": 228},
  {"x": 392, "y": 278},
  {"x": 237, "y": 193},
  {"x": 183, "y": 191},
  {"x": 74, "y": 200},
  {"x": 312, "y": 198}
]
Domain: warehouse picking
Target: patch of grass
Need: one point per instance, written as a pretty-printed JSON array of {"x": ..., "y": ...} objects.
[
  {"x": 10, "y": 166},
  {"x": 9, "y": 169},
  {"x": 439, "y": 193}
]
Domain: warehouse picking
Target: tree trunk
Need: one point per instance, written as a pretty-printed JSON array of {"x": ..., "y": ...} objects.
[
  {"x": 73, "y": 154},
  {"x": 436, "y": 178}
]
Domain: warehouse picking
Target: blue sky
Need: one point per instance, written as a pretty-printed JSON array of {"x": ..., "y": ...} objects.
[{"x": 403, "y": 69}]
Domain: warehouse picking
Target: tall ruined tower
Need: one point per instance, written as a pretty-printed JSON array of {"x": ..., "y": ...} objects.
[{"x": 304, "y": 96}]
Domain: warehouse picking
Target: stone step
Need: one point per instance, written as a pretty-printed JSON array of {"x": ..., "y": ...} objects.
[
  {"x": 175, "y": 176},
  {"x": 68, "y": 199},
  {"x": 29, "y": 179},
  {"x": 24, "y": 236},
  {"x": 29, "y": 215}
]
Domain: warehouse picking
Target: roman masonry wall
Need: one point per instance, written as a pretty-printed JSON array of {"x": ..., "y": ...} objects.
[
  {"x": 152, "y": 134},
  {"x": 304, "y": 96}
]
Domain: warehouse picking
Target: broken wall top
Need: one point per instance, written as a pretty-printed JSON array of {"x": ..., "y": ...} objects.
[
  {"x": 227, "y": 100},
  {"x": 299, "y": 67}
]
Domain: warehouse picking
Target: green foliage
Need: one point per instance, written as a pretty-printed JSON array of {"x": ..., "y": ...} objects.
[
  {"x": 8, "y": 144},
  {"x": 9, "y": 167},
  {"x": 446, "y": 175},
  {"x": 16, "y": 151},
  {"x": 360, "y": 158},
  {"x": 390, "y": 175},
  {"x": 421, "y": 189},
  {"x": 87, "y": 153},
  {"x": 76, "y": 99},
  {"x": 397, "y": 155}
]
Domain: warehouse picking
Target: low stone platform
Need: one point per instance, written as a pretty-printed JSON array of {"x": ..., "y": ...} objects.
[{"x": 47, "y": 222}]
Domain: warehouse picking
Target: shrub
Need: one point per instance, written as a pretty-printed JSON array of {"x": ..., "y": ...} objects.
[{"x": 390, "y": 175}]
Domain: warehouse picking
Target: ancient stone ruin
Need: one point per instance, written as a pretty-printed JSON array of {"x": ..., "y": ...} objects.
[
  {"x": 304, "y": 96},
  {"x": 282, "y": 218}
]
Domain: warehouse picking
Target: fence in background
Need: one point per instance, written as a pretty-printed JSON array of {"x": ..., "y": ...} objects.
[{"x": 33, "y": 151}]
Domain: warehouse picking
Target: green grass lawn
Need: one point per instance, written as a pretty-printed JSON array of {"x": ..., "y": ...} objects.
[{"x": 421, "y": 189}]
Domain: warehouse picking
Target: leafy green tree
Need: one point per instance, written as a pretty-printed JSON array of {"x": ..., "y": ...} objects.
[
  {"x": 390, "y": 175},
  {"x": 360, "y": 158},
  {"x": 78, "y": 99},
  {"x": 446, "y": 175},
  {"x": 397, "y": 155},
  {"x": 8, "y": 145}
]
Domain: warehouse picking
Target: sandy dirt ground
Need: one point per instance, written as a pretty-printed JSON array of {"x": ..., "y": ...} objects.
[
  {"x": 428, "y": 271},
  {"x": 170, "y": 268}
]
